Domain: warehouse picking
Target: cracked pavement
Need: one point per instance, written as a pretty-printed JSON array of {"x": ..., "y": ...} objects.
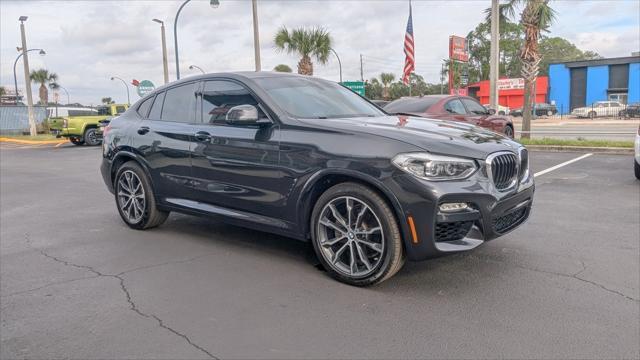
[{"x": 75, "y": 282}]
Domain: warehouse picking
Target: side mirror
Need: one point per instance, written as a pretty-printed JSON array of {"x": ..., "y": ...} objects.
[
  {"x": 244, "y": 115},
  {"x": 491, "y": 111}
]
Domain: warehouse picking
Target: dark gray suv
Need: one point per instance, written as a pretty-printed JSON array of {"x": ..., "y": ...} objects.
[{"x": 309, "y": 159}]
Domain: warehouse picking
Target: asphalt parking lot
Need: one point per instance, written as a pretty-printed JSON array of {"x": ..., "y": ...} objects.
[{"x": 77, "y": 283}]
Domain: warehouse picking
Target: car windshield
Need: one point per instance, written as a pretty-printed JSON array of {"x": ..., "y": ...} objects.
[
  {"x": 309, "y": 98},
  {"x": 410, "y": 105}
]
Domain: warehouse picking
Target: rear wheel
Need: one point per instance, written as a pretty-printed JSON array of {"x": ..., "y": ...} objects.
[
  {"x": 355, "y": 235},
  {"x": 91, "y": 137},
  {"x": 508, "y": 131},
  {"x": 76, "y": 141},
  {"x": 135, "y": 199},
  {"x": 549, "y": 113}
]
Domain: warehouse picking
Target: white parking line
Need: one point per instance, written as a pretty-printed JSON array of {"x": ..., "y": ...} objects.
[{"x": 561, "y": 165}]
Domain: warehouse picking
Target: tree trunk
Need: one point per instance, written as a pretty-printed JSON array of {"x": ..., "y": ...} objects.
[
  {"x": 526, "y": 110},
  {"x": 44, "y": 95},
  {"x": 385, "y": 93},
  {"x": 305, "y": 66}
]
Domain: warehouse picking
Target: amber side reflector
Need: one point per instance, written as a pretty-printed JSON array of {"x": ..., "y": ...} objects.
[{"x": 412, "y": 226}]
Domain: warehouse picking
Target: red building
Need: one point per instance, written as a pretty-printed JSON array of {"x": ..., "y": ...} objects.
[{"x": 510, "y": 91}]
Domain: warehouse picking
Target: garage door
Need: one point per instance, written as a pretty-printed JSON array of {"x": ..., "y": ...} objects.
[{"x": 578, "y": 87}]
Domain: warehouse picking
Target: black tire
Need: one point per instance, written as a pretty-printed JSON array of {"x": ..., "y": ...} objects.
[
  {"x": 549, "y": 113},
  {"x": 392, "y": 256},
  {"x": 508, "y": 131},
  {"x": 636, "y": 169},
  {"x": 151, "y": 216},
  {"x": 76, "y": 141},
  {"x": 592, "y": 115},
  {"x": 91, "y": 137}
]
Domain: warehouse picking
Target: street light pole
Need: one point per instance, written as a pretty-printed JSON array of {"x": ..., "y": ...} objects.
[
  {"x": 256, "y": 35},
  {"x": 15, "y": 77},
  {"x": 191, "y": 67},
  {"x": 214, "y": 4},
  {"x": 494, "y": 59},
  {"x": 65, "y": 90},
  {"x": 165, "y": 64},
  {"x": 339, "y": 62},
  {"x": 32, "y": 120},
  {"x": 126, "y": 87}
]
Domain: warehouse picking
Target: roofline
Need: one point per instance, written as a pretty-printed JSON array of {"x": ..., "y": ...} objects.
[{"x": 599, "y": 62}]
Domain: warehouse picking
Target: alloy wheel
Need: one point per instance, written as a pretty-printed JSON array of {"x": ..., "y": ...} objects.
[
  {"x": 131, "y": 197},
  {"x": 350, "y": 237}
]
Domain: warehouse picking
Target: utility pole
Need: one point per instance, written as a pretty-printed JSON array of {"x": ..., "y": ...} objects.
[
  {"x": 494, "y": 62},
  {"x": 165, "y": 64},
  {"x": 27, "y": 79},
  {"x": 442, "y": 78},
  {"x": 256, "y": 35},
  {"x": 361, "y": 69}
]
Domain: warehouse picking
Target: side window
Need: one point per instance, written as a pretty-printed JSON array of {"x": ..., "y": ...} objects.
[
  {"x": 455, "y": 107},
  {"x": 180, "y": 104},
  {"x": 156, "y": 109},
  {"x": 143, "y": 109},
  {"x": 120, "y": 109},
  {"x": 219, "y": 96},
  {"x": 474, "y": 107}
]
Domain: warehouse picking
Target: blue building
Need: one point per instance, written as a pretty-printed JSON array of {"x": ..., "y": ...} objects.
[{"x": 581, "y": 83}]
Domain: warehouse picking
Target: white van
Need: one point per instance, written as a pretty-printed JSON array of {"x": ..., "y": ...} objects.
[{"x": 63, "y": 111}]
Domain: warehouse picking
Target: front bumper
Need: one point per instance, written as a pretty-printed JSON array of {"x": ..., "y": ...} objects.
[{"x": 491, "y": 214}]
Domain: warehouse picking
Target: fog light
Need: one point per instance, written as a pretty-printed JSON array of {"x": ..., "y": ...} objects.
[{"x": 452, "y": 207}]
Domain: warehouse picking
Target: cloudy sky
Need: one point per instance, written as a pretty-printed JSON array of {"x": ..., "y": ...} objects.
[{"x": 87, "y": 42}]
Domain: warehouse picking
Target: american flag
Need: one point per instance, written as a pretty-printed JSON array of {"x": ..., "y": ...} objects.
[{"x": 409, "y": 60}]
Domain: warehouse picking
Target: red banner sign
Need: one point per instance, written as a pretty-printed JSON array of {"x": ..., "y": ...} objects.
[{"x": 458, "y": 48}]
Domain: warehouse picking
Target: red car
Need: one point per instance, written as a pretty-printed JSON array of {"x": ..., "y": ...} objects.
[{"x": 452, "y": 107}]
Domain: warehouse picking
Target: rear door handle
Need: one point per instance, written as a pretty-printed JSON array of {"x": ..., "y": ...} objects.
[
  {"x": 203, "y": 136},
  {"x": 143, "y": 130}
]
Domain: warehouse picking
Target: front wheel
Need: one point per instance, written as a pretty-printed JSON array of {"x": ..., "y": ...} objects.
[
  {"x": 355, "y": 235},
  {"x": 549, "y": 113},
  {"x": 135, "y": 200},
  {"x": 91, "y": 137}
]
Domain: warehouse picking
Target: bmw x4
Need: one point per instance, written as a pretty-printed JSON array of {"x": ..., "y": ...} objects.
[{"x": 309, "y": 159}]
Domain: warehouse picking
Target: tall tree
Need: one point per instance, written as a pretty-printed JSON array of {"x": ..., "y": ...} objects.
[
  {"x": 54, "y": 86},
  {"x": 306, "y": 42},
  {"x": 557, "y": 49},
  {"x": 43, "y": 77},
  {"x": 386, "y": 79},
  {"x": 536, "y": 17},
  {"x": 282, "y": 68}
]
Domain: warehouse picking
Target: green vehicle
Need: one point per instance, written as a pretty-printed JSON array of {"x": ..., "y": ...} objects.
[{"x": 84, "y": 128}]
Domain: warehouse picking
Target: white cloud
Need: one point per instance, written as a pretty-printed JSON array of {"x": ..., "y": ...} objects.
[{"x": 87, "y": 42}]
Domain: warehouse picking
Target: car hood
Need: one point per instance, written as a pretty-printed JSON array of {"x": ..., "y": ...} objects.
[{"x": 435, "y": 136}]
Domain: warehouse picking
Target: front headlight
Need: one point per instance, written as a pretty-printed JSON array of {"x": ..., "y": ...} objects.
[{"x": 435, "y": 167}]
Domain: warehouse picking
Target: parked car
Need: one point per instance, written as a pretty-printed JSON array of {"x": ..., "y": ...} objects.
[
  {"x": 598, "y": 109},
  {"x": 502, "y": 110},
  {"x": 82, "y": 127},
  {"x": 452, "y": 107},
  {"x": 631, "y": 111},
  {"x": 636, "y": 163},
  {"x": 307, "y": 158},
  {"x": 540, "y": 109},
  {"x": 380, "y": 103}
]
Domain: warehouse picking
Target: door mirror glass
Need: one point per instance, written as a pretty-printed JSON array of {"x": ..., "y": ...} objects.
[{"x": 242, "y": 115}]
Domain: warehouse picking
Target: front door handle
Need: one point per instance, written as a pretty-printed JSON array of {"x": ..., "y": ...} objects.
[
  {"x": 203, "y": 136},
  {"x": 143, "y": 130}
]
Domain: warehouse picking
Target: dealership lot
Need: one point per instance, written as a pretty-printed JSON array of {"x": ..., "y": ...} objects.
[{"x": 77, "y": 283}]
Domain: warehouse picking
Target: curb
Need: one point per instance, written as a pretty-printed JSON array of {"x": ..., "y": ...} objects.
[
  {"x": 32, "y": 142},
  {"x": 595, "y": 150}
]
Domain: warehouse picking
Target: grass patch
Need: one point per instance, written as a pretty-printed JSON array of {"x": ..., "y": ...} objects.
[
  {"x": 578, "y": 142},
  {"x": 39, "y": 137}
]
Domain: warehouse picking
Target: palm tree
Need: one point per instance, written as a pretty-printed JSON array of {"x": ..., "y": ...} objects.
[
  {"x": 43, "y": 77},
  {"x": 536, "y": 17},
  {"x": 282, "y": 68},
  {"x": 305, "y": 42},
  {"x": 386, "y": 79},
  {"x": 54, "y": 86}
]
